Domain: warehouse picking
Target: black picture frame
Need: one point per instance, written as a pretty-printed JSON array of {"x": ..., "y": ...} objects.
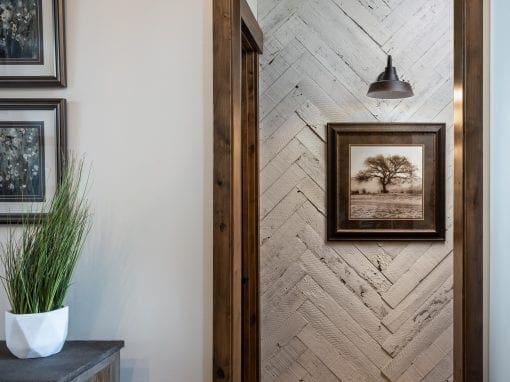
[
  {"x": 344, "y": 224},
  {"x": 60, "y": 77},
  {"x": 58, "y": 106}
]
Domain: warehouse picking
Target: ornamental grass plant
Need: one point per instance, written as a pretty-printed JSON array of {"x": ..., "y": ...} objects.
[{"x": 39, "y": 261}]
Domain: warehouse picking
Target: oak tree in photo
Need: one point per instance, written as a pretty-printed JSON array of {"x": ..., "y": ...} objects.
[{"x": 388, "y": 170}]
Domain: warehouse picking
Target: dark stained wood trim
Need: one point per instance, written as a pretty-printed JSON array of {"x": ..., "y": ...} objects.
[
  {"x": 226, "y": 197},
  {"x": 250, "y": 261},
  {"x": 468, "y": 192},
  {"x": 235, "y": 195},
  {"x": 250, "y": 22}
]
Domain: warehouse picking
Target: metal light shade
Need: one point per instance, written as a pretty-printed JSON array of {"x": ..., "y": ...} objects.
[{"x": 388, "y": 85}]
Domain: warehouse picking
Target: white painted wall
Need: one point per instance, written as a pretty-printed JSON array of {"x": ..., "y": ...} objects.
[
  {"x": 499, "y": 350},
  {"x": 140, "y": 109},
  {"x": 311, "y": 74}
]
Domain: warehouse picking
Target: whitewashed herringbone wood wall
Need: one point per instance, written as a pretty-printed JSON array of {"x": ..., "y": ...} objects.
[{"x": 355, "y": 311}]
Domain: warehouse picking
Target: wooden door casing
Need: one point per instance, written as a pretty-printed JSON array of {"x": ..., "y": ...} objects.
[
  {"x": 250, "y": 255},
  {"x": 234, "y": 192},
  {"x": 468, "y": 194}
]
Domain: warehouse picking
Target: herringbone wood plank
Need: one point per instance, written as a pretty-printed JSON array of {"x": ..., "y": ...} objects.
[{"x": 355, "y": 311}]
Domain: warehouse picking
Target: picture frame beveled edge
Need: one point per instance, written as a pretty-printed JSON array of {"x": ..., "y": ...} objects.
[
  {"x": 60, "y": 78},
  {"x": 332, "y": 234},
  {"x": 60, "y": 107}
]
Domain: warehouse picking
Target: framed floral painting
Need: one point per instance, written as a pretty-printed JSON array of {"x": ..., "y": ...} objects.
[
  {"x": 32, "y": 149},
  {"x": 386, "y": 181},
  {"x": 32, "y": 43}
]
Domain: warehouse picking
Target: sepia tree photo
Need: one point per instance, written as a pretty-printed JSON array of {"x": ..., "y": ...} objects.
[{"x": 386, "y": 182}]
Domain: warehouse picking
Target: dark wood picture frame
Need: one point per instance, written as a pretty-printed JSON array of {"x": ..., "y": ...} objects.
[
  {"x": 342, "y": 137},
  {"x": 60, "y": 77},
  {"x": 57, "y": 105}
]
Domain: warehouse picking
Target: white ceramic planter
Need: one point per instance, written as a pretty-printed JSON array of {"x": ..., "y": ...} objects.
[{"x": 36, "y": 335}]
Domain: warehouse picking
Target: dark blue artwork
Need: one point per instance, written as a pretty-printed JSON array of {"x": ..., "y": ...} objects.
[
  {"x": 22, "y": 162},
  {"x": 21, "y": 37}
]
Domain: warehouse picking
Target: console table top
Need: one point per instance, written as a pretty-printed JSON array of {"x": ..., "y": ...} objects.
[{"x": 75, "y": 358}]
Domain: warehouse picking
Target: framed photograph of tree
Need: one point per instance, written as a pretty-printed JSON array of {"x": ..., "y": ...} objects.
[
  {"x": 32, "y": 149},
  {"x": 32, "y": 43},
  {"x": 386, "y": 181}
]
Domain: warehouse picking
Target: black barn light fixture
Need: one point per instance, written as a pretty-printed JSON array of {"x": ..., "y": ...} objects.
[{"x": 389, "y": 86}]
